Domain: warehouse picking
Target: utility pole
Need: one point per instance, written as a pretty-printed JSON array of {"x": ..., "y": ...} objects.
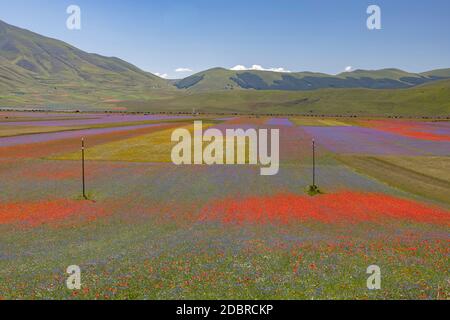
[
  {"x": 82, "y": 168},
  {"x": 314, "y": 162}
]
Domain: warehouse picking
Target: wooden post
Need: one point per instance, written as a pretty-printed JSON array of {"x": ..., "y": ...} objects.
[
  {"x": 82, "y": 168},
  {"x": 314, "y": 162}
]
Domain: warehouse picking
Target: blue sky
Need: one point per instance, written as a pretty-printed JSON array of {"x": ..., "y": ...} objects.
[{"x": 297, "y": 35}]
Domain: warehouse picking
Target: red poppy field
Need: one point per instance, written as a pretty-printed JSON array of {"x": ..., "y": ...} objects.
[
  {"x": 152, "y": 230},
  {"x": 342, "y": 207}
]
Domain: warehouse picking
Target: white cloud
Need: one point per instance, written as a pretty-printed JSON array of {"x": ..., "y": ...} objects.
[
  {"x": 349, "y": 69},
  {"x": 183, "y": 70},
  {"x": 239, "y": 67},
  {"x": 258, "y": 67},
  {"x": 162, "y": 75}
]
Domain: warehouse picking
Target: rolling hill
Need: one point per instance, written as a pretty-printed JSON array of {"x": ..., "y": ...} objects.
[
  {"x": 222, "y": 79},
  {"x": 27, "y": 58},
  {"x": 431, "y": 100},
  {"x": 40, "y": 72}
]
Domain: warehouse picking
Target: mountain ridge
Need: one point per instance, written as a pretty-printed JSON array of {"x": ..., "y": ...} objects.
[
  {"x": 30, "y": 59},
  {"x": 37, "y": 71},
  {"x": 224, "y": 79},
  {"x": 41, "y": 60}
]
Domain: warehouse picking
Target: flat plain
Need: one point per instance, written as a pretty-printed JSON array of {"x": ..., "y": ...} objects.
[{"x": 153, "y": 230}]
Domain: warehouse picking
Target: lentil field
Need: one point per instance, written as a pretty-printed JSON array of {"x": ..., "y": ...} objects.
[{"x": 153, "y": 230}]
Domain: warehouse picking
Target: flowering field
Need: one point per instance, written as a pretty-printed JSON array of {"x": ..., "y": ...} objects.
[
  {"x": 153, "y": 230},
  {"x": 435, "y": 131}
]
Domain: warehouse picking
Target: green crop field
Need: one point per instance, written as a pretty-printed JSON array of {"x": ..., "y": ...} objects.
[{"x": 425, "y": 176}]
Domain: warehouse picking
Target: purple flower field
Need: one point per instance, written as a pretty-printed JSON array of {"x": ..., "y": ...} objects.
[
  {"x": 279, "y": 122},
  {"x": 372, "y": 141}
]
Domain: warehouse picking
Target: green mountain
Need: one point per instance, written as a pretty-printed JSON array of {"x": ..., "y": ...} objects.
[
  {"x": 27, "y": 58},
  {"x": 222, "y": 79},
  {"x": 40, "y": 72},
  {"x": 31, "y": 61},
  {"x": 392, "y": 73},
  {"x": 437, "y": 74}
]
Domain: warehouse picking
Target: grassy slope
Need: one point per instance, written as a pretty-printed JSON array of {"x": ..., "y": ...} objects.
[
  {"x": 31, "y": 62},
  {"x": 378, "y": 74},
  {"x": 427, "y": 100},
  {"x": 442, "y": 73},
  {"x": 220, "y": 79},
  {"x": 223, "y": 79}
]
